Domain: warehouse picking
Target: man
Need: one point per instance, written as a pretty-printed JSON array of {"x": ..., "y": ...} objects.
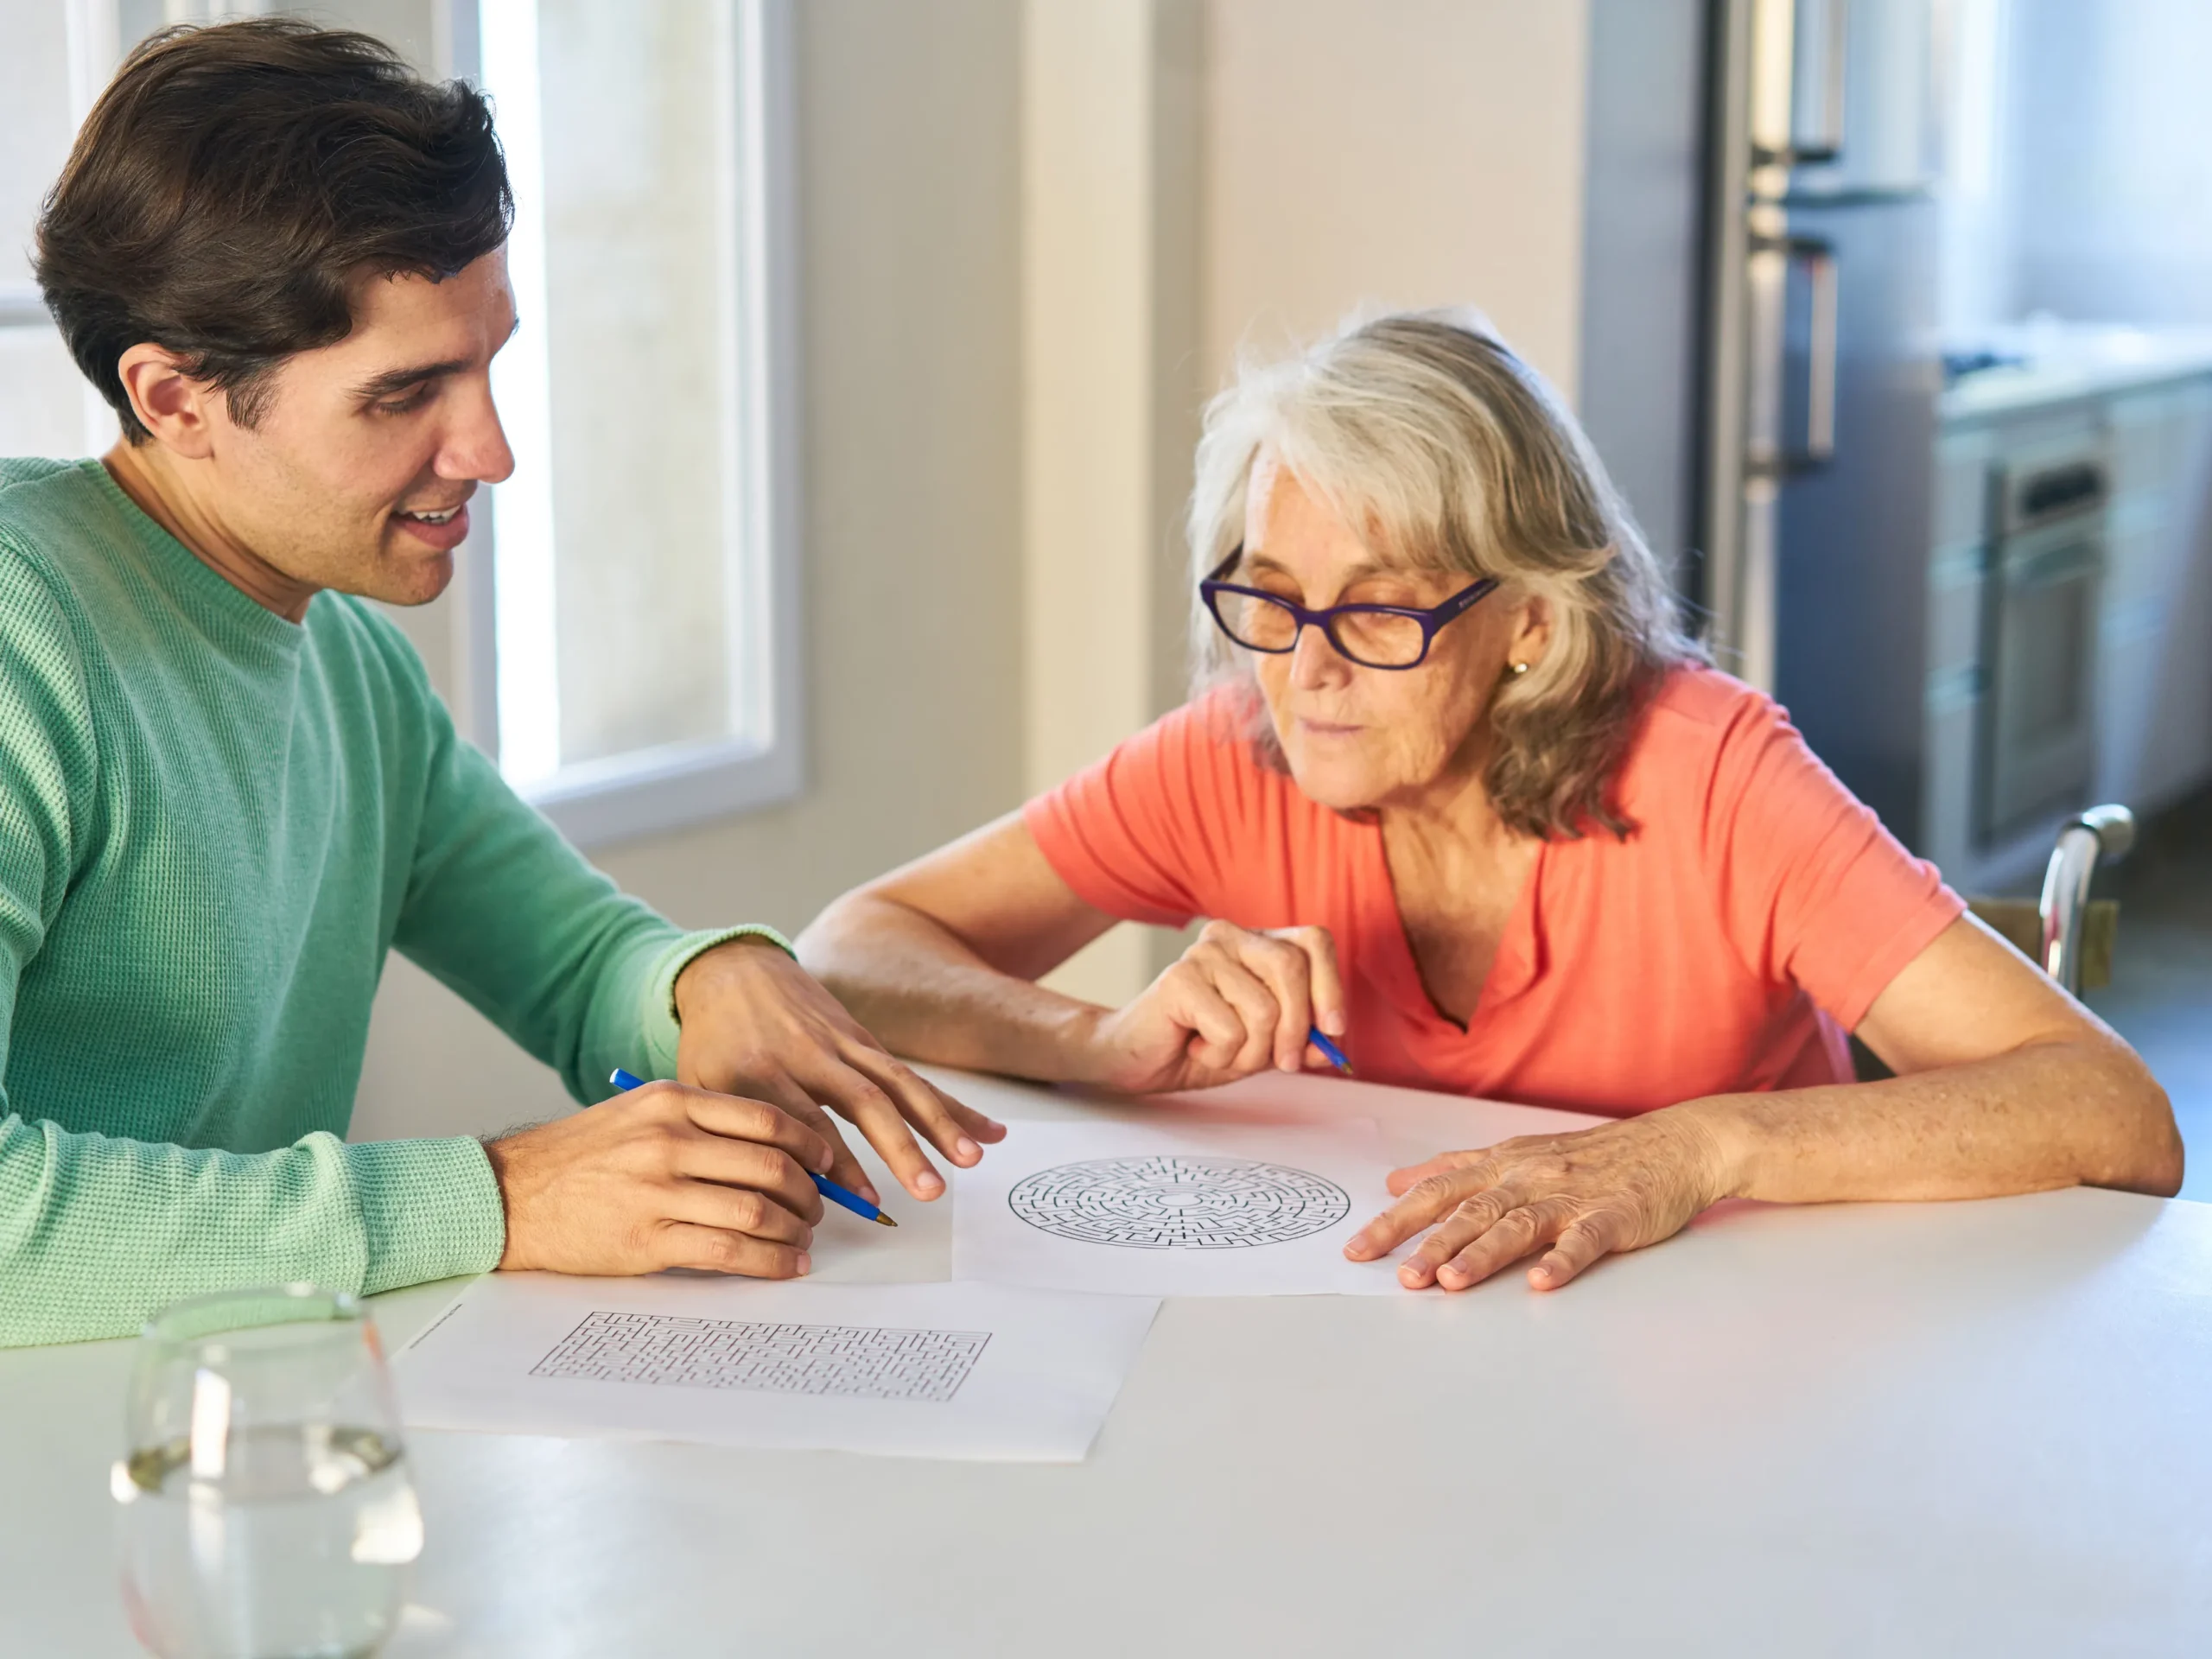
[{"x": 227, "y": 788}]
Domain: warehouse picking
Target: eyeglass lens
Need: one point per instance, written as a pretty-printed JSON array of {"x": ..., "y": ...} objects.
[{"x": 1376, "y": 638}]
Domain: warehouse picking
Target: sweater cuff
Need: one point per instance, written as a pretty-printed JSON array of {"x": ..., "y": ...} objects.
[
  {"x": 658, "y": 1017},
  {"x": 429, "y": 1209}
]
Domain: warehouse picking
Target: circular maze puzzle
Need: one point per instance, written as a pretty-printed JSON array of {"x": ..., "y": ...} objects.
[{"x": 1176, "y": 1202}]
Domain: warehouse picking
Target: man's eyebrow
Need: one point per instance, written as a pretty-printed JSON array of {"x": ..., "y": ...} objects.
[{"x": 391, "y": 380}]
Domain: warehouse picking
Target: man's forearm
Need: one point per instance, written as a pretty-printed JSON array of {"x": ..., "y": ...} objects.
[
  {"x": 927, "y": 995},
  {"x": 2056, "y": 1113},
  {"x": 97, "y": 1232}
]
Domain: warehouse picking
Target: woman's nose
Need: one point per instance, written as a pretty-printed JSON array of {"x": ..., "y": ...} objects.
[{"x": 1314, "y": 661}]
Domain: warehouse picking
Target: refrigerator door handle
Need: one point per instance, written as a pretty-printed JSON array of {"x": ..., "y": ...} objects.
[{"x": 1817, "y": 258}]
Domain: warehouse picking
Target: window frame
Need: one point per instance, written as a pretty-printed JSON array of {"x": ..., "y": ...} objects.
[{"x": 649, "y": 791}]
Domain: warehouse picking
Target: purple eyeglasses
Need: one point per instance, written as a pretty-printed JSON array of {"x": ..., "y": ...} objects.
[{"x": 1374, "y": 636}]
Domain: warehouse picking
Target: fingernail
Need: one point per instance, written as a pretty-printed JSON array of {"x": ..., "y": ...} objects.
[
  {"x": 967, "y": 1148},
  {"x": 867, "y": 1190},
  {"x": 805, "y": 1264},
  {"x": 929, "y": 1181},
  {"x": 1334, "y": 1025}
]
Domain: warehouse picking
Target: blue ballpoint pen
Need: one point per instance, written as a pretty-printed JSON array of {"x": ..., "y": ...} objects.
[
  {"x": 828, "y": 1189},
  {"x": 1329, "y": 1051}
]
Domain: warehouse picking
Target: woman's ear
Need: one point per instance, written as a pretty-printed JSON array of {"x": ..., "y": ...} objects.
[
  {"x": 1532, "y": 634},
  {"x": 168, "y": 403}
]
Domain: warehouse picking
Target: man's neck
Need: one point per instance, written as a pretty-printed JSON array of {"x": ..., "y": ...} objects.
[{"x": 153, "y": 479}]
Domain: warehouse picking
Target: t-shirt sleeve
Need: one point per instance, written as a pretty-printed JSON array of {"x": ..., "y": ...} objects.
[
  {"x": 1144, "y": 834},
  {"x": 1814, "y": 890}
]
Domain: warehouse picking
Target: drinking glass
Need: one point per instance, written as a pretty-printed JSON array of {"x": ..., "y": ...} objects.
[{"x": 265, "y": 1509}]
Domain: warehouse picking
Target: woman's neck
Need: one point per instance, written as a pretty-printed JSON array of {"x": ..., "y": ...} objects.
[
  {"x": 1457, "y": 869},
  {"x": 1453, "y": 814}
]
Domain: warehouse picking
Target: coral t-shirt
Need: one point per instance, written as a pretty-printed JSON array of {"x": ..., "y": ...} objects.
[{"x": 1752, "y": 916}]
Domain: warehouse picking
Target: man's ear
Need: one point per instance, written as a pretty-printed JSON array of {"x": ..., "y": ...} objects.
[{"x": 177, "y": 409}]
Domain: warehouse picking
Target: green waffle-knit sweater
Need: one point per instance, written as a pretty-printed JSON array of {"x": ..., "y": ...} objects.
[{"x": 213, "y": 823}]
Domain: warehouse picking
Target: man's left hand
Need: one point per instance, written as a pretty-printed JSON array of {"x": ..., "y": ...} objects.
[
  {"x": 1577, "y": 1198},
  {"x": 756, "y": 1024}
]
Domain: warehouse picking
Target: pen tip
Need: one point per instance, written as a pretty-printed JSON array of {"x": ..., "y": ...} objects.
[{"x": 882, "y": 1220}]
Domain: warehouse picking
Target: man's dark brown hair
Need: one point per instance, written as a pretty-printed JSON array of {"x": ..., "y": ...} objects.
[{"x": 234, "y": 182}]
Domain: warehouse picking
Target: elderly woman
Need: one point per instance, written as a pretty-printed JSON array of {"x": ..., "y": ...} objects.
[{"x": 1461, "y": 795}]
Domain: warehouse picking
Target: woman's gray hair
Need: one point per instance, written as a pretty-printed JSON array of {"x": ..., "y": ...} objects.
[{"x": 1450, "y": 453}]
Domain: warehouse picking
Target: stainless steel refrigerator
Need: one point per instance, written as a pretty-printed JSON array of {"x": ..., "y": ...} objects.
[{"x": 1822, "y": 375}]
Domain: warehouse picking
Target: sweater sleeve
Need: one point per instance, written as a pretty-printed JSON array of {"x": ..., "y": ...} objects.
[
  {"x": 97, "y": 1232},
  {"x": 503, "y": 910}
]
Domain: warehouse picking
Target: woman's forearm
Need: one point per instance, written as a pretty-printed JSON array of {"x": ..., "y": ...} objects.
[
  {"x": 2075, "y": 1111},
  {"x": 927, "y": 995}
]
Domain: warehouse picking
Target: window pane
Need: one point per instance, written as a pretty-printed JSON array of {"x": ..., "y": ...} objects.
[
  {"x": 42, "y": 396},
  {"x": 34, "y": 126},
  {"x": 628, "y": 273},
  {"x": 46, "y": 408}
]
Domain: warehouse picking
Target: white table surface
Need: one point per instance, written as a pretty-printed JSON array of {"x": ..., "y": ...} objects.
[{"x": 1896, "y": 1429}]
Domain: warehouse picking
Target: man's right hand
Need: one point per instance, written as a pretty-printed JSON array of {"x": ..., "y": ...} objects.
[{"x": 662, "y": 1177}]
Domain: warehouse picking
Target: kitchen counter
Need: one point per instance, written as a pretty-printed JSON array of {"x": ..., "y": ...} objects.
[{"x": 2060, "y": 362}]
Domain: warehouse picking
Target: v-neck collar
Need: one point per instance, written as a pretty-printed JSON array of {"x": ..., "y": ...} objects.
[{"x": 1517, "y": 965}]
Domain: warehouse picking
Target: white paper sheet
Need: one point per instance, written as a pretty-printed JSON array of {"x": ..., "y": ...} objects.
[
  {"x": 933, "y": 1370},
  {"x": 1174, "y": 1207}
]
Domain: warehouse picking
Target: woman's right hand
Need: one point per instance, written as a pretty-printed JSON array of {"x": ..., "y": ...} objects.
[{"x": 1234, "y": 1003}]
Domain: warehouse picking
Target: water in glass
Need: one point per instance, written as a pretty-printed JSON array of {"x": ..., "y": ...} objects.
[{"x": 266, "y": 1508}]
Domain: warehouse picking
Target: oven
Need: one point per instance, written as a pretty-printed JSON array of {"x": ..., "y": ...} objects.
[{"x": 2039, "y": 638}]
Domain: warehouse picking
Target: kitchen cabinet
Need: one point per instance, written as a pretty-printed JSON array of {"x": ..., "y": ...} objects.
[
  {"x": 2155, "y": 638},
  {"x": 2150, "y": 673}
]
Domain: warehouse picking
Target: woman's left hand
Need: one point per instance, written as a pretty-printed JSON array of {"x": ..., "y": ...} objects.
[{"x": 1616, "y": 1187}]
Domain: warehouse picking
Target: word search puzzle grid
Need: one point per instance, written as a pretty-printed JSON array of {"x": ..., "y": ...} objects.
[{"x": 863, "y": 1362}]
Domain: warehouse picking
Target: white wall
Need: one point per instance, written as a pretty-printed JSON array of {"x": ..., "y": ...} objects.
[
  {"x": 2078, "y": 175},
  {"x": 1111, "y": 175},
  {"x": 910, "y": 196},
  {"x": 2111, "y": 127},
  {"x": 1397, "y": 153}
]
